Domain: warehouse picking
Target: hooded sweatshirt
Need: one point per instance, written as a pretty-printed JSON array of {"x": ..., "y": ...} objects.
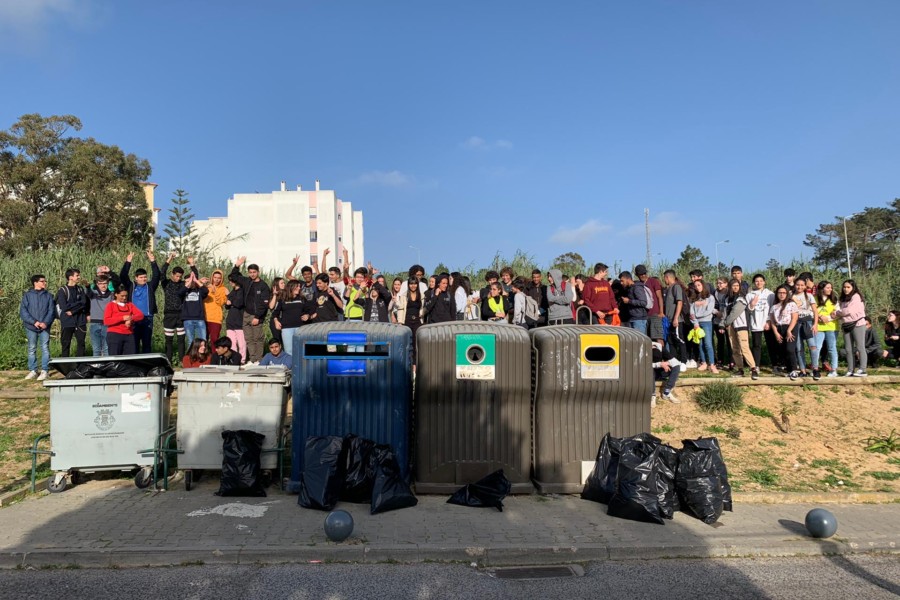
[
  {"x": 98, "y": 300},
  {"x": 214, "y": 302},
  {"x": 559, "y": 298}
]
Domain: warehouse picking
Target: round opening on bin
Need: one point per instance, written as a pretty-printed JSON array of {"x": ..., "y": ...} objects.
[
  {"x": 599, "y": 354},
  {"x": 475, "y": 354}
]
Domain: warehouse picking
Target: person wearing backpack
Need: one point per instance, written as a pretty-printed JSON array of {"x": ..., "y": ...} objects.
[
  {"x": 559, "y": 299},
  {"x": 637, "y": 300},
  {"x": 526, "y": 312},
  {"x": 72, "y": 307}
]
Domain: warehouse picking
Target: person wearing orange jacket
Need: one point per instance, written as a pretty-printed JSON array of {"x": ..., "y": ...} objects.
[{"x": 213, "y": 303}]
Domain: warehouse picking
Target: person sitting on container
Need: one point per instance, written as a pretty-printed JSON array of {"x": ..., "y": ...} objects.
[
  {"x": 665, "y": 368},
  {"x": 276, "y": 356},
  {"x": 119, "y": 318},
  {"x": 224, "y": 355},
  {"x": 197, "y": 355}
]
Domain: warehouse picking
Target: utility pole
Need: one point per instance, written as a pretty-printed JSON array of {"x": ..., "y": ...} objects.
[{"x": 647, "y": 229}]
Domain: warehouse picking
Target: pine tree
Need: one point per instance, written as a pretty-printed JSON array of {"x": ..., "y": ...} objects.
[{"x": 179, "y": 231}]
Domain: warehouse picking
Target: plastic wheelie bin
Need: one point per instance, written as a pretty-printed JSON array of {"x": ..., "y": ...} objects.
[
  {"x": 351, "y": 377},
  {"x": 215, "y": 399},
  {"x": 107, "y": 415},
  {"x": 588, "y": 380},
  {"x": 472, "y": 405}
]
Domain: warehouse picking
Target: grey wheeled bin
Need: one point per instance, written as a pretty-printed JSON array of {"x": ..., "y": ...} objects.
[
  {"x": 473, "y": 405},
  {"x": 109, "y": 414},
  {"x": 588, "y": 380},
  {"x": 216, "y": 399}
]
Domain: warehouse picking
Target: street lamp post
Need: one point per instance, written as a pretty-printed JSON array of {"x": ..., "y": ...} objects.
[
  {"x": 847, "y": 246},
  {"x": 779, "y": 251},
  {"x": 418, "y": 255},
  {"x": 718, "y": 271}
]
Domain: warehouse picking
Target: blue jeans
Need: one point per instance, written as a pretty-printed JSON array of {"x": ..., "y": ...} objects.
[
  {"x": 830, "y": 339},
  {"x": 707, "y": 354},
  {"x": 98, "y": 339},
  {"x": 287, "y": 337},
  {"x": 33, "y": 338},
  {"x": 639, "y": 324},
  {"x": 194, "y": 329}
]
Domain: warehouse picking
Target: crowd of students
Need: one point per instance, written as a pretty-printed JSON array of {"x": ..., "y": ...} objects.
[{"x": 708, "y": 326}]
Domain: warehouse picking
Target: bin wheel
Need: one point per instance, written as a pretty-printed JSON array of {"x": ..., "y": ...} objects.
[
  {"x": 266, "y": 478},
  {"x": 55, "y": 487},
  {"x": 188, "y": 479},
  {"x": 143, "y": 478},
  {"x": 76, "y": 477}
]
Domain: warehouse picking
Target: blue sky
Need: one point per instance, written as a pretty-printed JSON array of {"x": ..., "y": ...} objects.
[{"x": 466, "y": 128}]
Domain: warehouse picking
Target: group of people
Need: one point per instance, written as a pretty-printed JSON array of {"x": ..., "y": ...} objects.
[{"x": 699, "y": 325}]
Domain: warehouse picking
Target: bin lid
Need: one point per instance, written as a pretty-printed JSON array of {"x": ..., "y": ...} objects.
[
  {"x": 228, "y": 373},
  {"x": 142, "y": 361}
]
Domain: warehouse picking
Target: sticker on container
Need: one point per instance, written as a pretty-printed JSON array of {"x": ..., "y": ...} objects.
[
  {"x": 599, "y": 356},
  {"x": 476, "y": 356},
  {"x": 587, "y": 467},
  {"x": 136, "y": 402}
]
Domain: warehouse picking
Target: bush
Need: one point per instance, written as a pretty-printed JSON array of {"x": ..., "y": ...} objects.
[{"x": 721, "y": 397}]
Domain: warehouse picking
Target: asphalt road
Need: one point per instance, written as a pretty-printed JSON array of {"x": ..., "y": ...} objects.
[{"x": 863, "y": 577}]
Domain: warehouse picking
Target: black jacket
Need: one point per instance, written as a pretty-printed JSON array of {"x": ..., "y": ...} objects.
[
  {"x": 192, "y": 303},
  {"x": 219, "y": 359},
  {"x": 440, "y": 308},
  {"x": 72, "y": 299},
  {"x": 235, "y": 304},
  {"x": 487, "y": 314},
  {"x": 172, "y": 297},
  {"x": 128, "y": 283},
  {"x": 256, "y": 295},
  {"x": 381, "y": 304}
]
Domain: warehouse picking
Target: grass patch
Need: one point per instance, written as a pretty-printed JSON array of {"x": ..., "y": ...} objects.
[
  {"x": 765, "y": 477},
  {"x": 883, "y": 475},
  {"x": 835, "y": 481},
  {"x": 778, "y": 443},
  {"x": 833, "y": 466},
  {"x": 759, "y": 412},
  {"x": 721, "y": 397},
  {"x": 883, "y": 444},
  {"x": 663, "y": 429},
  {"x": 884, "y": 398},
  {"x": 717, "y": 429},
  {"x": 893, "y": 461},
  {"x": 781, "y": 390}
]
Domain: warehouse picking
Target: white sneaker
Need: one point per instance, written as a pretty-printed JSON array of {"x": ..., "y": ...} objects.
[
  {"x": 848, "y": 374},
  {"x": 691, "y": 364},
  {"x": 671, "y": 398},
  {"x": 653, "y": 401},
  {"x": 859, "y": 373},
  {"x": 42, "y": 376},
  {"x": 31, "y": 375},
  {"x": 832, "y": 374}
]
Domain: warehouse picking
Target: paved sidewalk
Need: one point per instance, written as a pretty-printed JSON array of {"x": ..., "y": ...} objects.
[{"x": 112, "y": 523}]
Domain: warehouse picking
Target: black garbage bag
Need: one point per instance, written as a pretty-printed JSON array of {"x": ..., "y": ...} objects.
[
  {"x": 487, "y": 491},
  {"x": 637, "y": 495},
  {"x": 160, "y": 371},
  {"x": 697, "y": 481},
  {"x": 712, "y": 444},
  {"x": 322, "y": 476},
  {"x": 667, "y": 466},
  {"x": 601, "y": 483},
  {"x": 240, "y": 464},
  {"x": 389, "y": 490},
  {"x": 119, "y": 370},
  {"x": 84, "y": 371},
  {"x": 359, "y": 468}
]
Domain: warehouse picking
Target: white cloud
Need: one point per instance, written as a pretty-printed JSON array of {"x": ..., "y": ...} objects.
[
  {"x": 664, "y": 223},
  {"x": 479, "y": 143},
  {"x": 581, "y": 234},
  {"x": 385, "y": 178},
  {"x": 33, "y": 14},
  {"x": 25, "y": 25}
]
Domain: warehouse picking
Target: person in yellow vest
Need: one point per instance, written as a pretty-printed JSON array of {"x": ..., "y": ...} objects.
[{"x": 355, "y": 295}]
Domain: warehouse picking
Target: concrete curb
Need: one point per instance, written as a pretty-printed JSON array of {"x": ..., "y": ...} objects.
[
  {"x": 482, "y": 556},
  {"x": 815, "y": 497},
  {"x": 785, "y": 381},
  {"x": 40, "y": 487}
]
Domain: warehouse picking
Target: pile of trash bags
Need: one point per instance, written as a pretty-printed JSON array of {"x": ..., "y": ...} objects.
[
  {"x": 642, "y": 479},
  {"x": 241, "y": 469},
  {"x": 114, "y": 369},
  {"x": 352, "y": 469}
]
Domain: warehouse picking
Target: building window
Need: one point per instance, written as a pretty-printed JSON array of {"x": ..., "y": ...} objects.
[
  {"x": 313, "y": 259},
  {"x": 340, "y": 238},
  {"x": 339, "y": 216},
  {"x": 312, "y": 212},
  {"x": 314, "y": 236}
]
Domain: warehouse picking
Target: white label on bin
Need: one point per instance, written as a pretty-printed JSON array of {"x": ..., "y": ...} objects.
[
  {"x": 587, "y": 466},
  {"x": 599, "y": 371},
  {"x": 484, "y": 372},
  {"x": 136, "y": 402}
]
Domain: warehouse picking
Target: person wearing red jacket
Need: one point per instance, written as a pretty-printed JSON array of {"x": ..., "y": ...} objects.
[
  {"x": 599, "y": 297},
  {"x": 119, "y": 317}
]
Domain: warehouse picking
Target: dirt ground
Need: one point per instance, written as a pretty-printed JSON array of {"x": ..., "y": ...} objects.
[{"x": 823, "y": 450}]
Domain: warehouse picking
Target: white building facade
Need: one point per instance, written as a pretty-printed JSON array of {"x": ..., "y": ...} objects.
[{"x": 271, "y": 229}]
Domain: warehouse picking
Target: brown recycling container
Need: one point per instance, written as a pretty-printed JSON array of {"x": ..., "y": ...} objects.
[
  {"x": 589, "y": 380},
  {"x": 472, "y": 405}
]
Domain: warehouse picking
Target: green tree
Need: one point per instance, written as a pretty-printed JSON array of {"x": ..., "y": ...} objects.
[
  {"x": 872, "y": 237},
  {"x": 180, "y": 237},
  {"x": 57, "y": 189},
  {"x": 692, "y": 258},
  {"x": 570, "y": 263}
]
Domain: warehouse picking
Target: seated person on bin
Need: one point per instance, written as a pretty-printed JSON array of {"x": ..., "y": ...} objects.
[
  {"x": 665, "y": 368},
  {"x": 197, "y": 356},
  {"x": 276, "y": 356},
  {"x": 224, "y": 355}
]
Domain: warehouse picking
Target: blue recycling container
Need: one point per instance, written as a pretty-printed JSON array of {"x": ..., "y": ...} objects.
[{"x": 351, "y": 377}]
